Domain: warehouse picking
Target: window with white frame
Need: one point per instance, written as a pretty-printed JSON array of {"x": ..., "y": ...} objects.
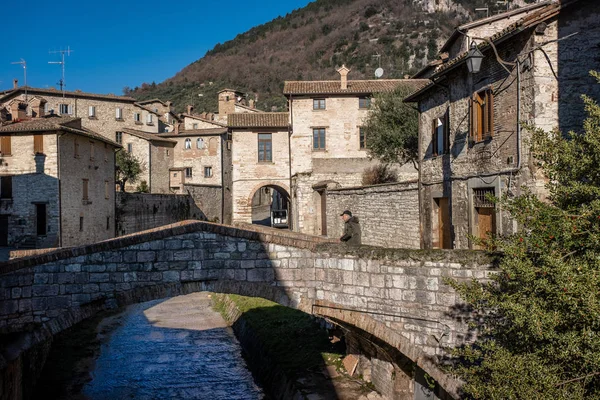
[
  {"x": 65, "y": 109},
  {"x": 200, "y": 143},
  {"x": 119, "y": 113},
  {"x": 208, "y": 172},
  {"x": 149, "y": 118},
  {"x": 188, "y": 143},
  {"x": 137, "y": 117},
  {"x": 92, "y": 111}
]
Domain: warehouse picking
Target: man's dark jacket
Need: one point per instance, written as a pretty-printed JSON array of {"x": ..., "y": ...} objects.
[{"x": 352, "y": 233}]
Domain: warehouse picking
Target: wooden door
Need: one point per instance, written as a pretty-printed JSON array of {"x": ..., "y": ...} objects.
[
  {"x": 444, "y": 224},
  {"x": 486, "y": 222},
  {"x": 3, "y": 230}
]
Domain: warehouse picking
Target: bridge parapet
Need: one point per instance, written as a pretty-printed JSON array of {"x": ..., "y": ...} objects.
[{"x": 397, "y": 295}]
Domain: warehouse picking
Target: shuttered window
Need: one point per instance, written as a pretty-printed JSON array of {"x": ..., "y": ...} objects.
[
  {"x": 440, "y": 136},
  {"x": 38, "y": 144},
  {"x": 5, "y": 145},
  {"x": 86, "y": 183},
  {"x": 482, "y": 116},
  {"x": 119, "y": 113},
  {"x": 92, "y": 111}
]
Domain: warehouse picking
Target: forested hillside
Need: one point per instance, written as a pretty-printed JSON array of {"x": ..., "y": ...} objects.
[{"x": 309, "y": 43}]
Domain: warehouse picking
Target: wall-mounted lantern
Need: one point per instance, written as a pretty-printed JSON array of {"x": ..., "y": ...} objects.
[{"x": 474, "y": 58}]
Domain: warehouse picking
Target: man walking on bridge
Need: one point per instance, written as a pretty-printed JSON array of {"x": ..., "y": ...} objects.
[{"x": 352, "y": 234}]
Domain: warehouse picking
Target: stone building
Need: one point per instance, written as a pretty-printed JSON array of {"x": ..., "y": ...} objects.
[
  {"x": 57, "y": 184},
  {"x": 201, "y": 167},
  {"x": 328, "y": 146},
  {"x": 260, "y": 164},
  {"x": 108, "y": 115},
  {"x": 472, "y": 144}
]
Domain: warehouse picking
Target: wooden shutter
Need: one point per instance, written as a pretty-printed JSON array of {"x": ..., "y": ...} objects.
[
  {"x": 5, "y": 145},
  {"x": 447, "y": 132},
  {"x": 434, "y": 140},
  {"x": 85, "y": 189},
  {"x": 490, "y": 112},
  {"x": 70, "y": 109},
  {"x": 38, "y": 144},
  {"x": 471, "y": 119}
]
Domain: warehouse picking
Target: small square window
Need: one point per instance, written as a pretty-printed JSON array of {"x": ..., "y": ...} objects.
[
  {"x": 318, "y": 104},
  {"x": 194, "y": 126},
  {"x": 364, "y": 102}
]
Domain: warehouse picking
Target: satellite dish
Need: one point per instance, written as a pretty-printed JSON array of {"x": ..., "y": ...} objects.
[{"x": 378, "y": 72}]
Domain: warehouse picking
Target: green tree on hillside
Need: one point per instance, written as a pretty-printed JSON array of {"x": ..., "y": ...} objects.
[
  {"x": 392, "y": 128},
  {"x": 128, "y": 168},
  {"x": 539, "y": 317}
]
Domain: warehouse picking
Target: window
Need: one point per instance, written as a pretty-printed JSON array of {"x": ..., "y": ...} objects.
[
  {"x": 80, "y": 224},
  {"x": 92, "y": 111},
  {"x": 482, "y": 116},
  {"x": 188, "y": 172},
  {"x": 65, "y": 109},
  {"x": 265, "y": 153},
  {"x": 38, "y": 144},
  {"x": 129, "y": 148},
  {"x": 149, "y": 119},
  {"x": 319, "y": 139},
  {"x": 188, "y": 143},
  {"x": 106, "y": 190},
  {"x": 208, "y": 172},
  {"x": 119, "y": 113},
  {"x": 168, "y": 152},
  {"x": 5, "y": 145},
  {"x": 364, "y": 102},
  {"x": 86, "y": 183},
  {"x": 119, "y": 137},
  {"x": 92, "y": 151},
  {"x": 76, "y": 148},
  {"x": 106, "y": 152},
  {"x": 137, "y": 117},
  {"x": 46, "y": 108},
  {"x": 362, "y": 138},
  {"x": 440, "y": 136},
  {"x": 107, "y": 223},
  {"x": 318, "y": 104},
  {"x": 194, "y": 126},
  {"x": 200, "y": 143},
  {"x": 6, "y": 187}
]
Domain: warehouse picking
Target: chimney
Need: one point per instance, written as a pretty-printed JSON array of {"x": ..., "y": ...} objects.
[
  {"x": 251, "y": 103},
  {"x": 15, "y": 83},
  {"x": 343, "y": 71},
  {"x": 190, "y": 109}
]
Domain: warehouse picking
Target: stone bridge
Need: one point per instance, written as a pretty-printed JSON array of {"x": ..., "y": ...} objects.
[{"x": 396, "y": 297}]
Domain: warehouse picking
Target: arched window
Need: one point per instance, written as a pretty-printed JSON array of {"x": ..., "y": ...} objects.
[
  {"x": 188, "y": 143},
  {"x": 200, "y": 143}
]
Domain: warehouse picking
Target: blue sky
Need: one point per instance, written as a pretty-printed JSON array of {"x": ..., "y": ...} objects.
[{"x": 120, "y": 43}]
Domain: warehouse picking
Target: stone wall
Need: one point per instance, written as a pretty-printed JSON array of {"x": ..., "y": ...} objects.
[
  {"x": 388, "y": 214},
  {"x": 208, "y": 198},
  {"x": 396, "y": 295},
  {"x": 139, "y": 212}
]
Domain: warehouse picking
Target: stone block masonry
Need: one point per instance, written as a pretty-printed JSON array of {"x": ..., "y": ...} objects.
[
  {"x": 388, "y": 214},
  {"x": 396, "y": 295}
]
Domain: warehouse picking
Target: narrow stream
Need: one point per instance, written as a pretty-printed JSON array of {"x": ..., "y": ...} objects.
[{"x": 178, "y": 348}]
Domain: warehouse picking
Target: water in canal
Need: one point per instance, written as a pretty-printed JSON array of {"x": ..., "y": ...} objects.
[{"x": 177, "y": 348}]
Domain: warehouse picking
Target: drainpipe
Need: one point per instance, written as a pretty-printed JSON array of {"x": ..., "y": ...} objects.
[
  {"x": 223, "y": 148},
  {"x": 149, "y": 166},
  {"x": 60, "y": 230},
  {"x": 290, "y": 132},
  {"x": 518, "y": 114}
]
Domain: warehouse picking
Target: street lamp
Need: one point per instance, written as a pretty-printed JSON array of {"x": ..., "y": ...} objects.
[{"x": 474, "y": 58}]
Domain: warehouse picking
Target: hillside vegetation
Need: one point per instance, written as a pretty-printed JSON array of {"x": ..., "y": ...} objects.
[{"x": 309, "y": 43}]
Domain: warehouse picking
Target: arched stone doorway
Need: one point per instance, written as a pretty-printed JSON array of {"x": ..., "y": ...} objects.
[{"x": 271, "y": 207}]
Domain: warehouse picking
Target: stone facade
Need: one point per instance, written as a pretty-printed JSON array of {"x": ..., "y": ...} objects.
[
  {"x": 500, "y": 163},
  {"x": 388, "y": 214},
  {"x": 66, "y": 183},
  {"x": 251, "y": 175},
  {"x": 335, "y": 110},
  {"x": 396, "y": 295}
]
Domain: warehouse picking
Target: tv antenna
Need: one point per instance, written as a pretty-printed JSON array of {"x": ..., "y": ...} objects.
[
  {"x": 62, "y": 53},
  {"x": 24, "y": 64}
]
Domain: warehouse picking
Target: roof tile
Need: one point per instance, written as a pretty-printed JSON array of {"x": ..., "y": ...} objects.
[
  {"x": 258, "y": 120},
  {"x": 354, "y": 86}
]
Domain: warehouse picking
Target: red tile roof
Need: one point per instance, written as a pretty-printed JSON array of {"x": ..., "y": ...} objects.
[
  {"x": 354, "y": 86},
  {"x": 259, "y": 120}
]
